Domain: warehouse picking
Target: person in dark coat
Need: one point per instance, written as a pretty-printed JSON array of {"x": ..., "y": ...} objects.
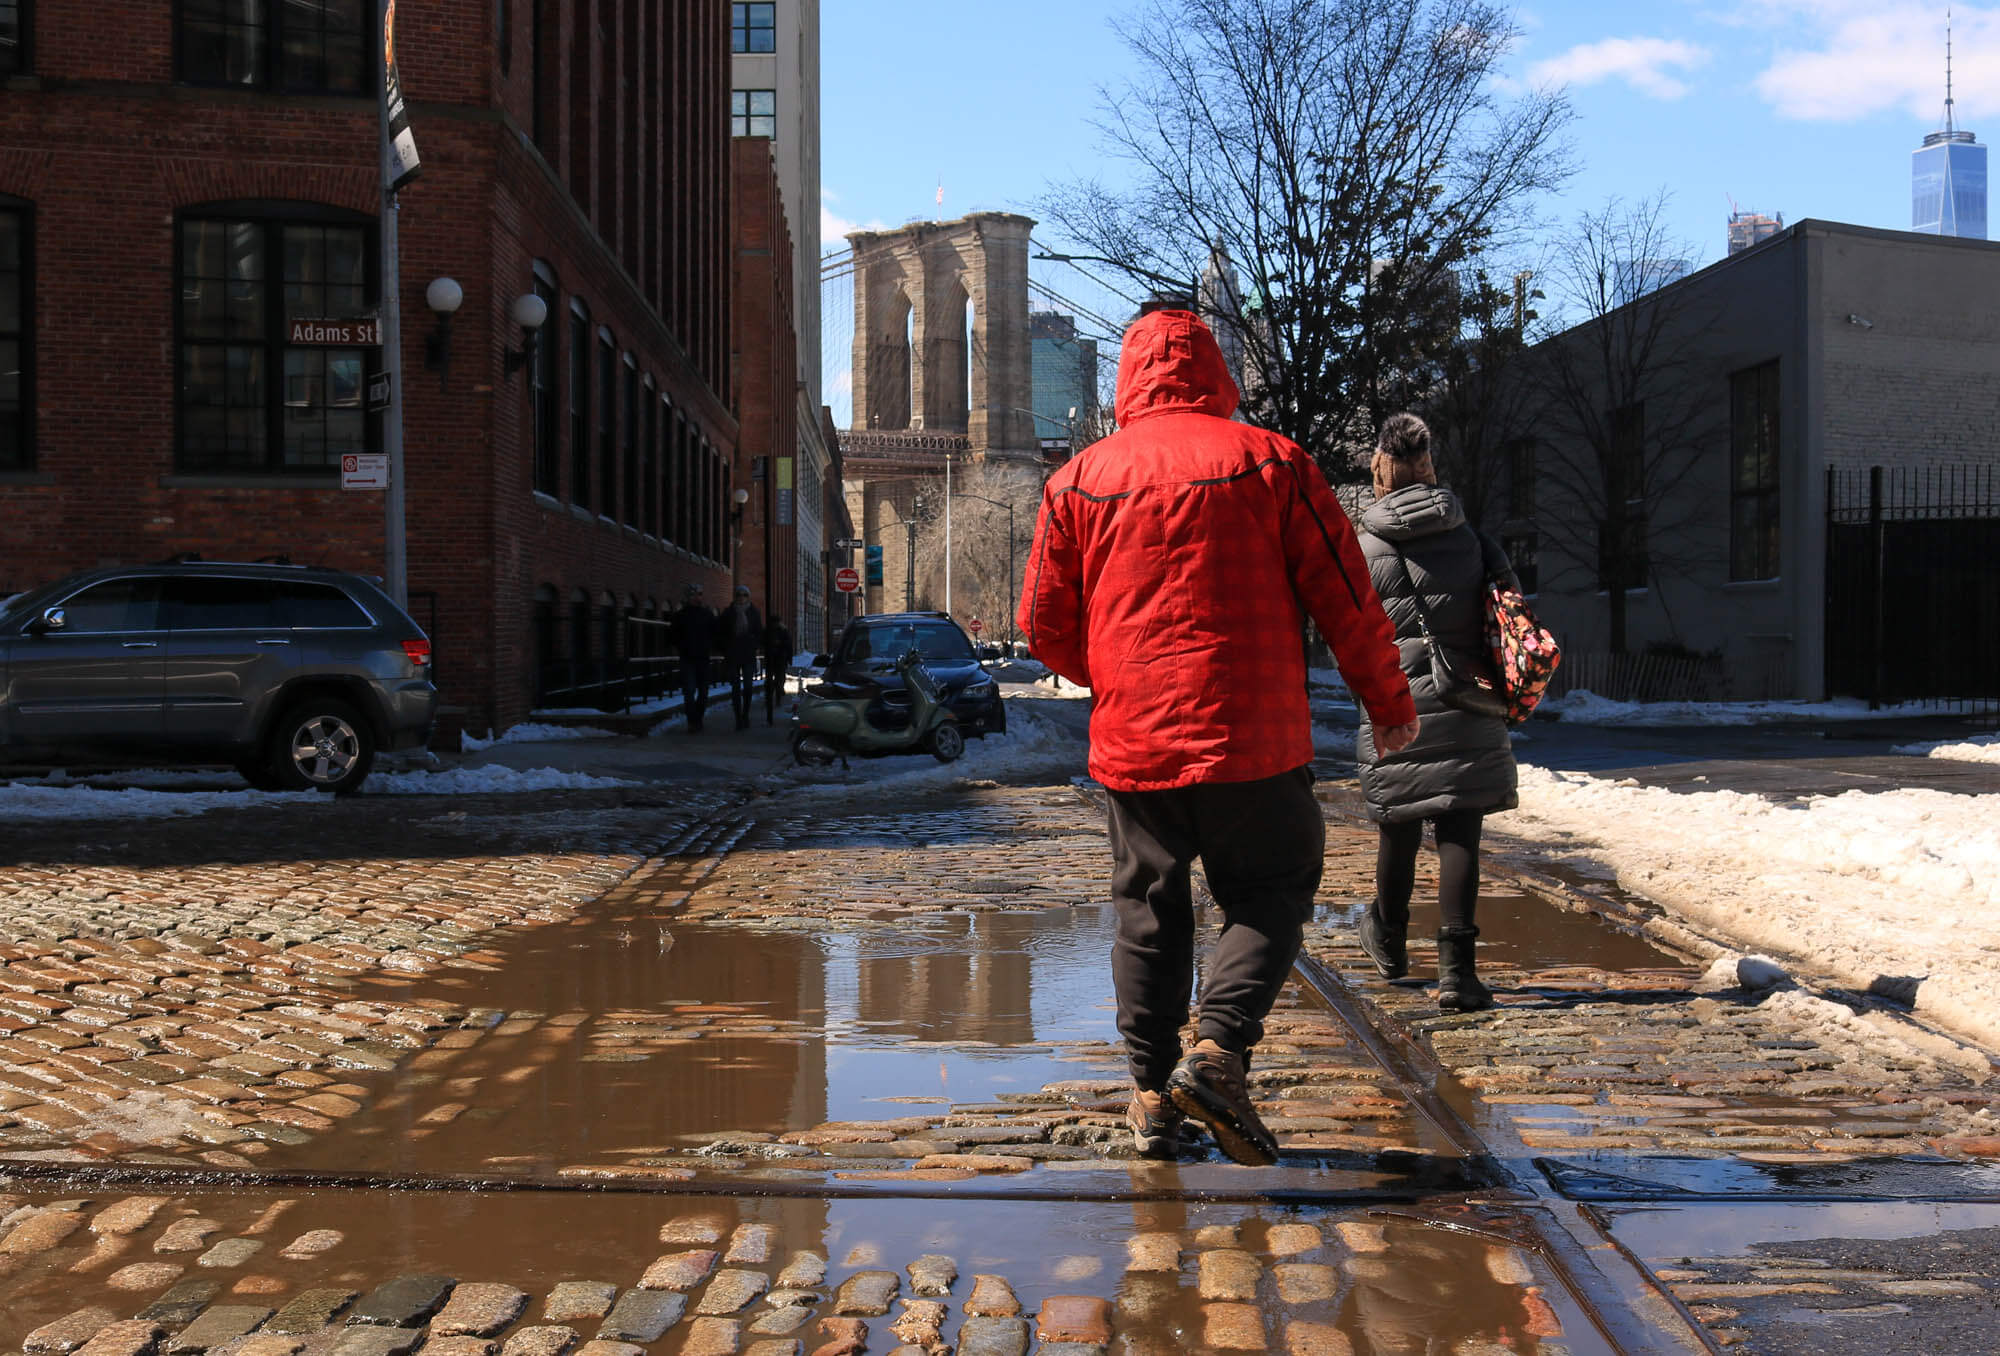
[
  {"x": 1173, "y": 568},
  {"x": 694, "y": 638},
  {"x": 1460, "y": 768},
  {"x": 742, "y": 631},
  {"x": 777, "y": 660}
]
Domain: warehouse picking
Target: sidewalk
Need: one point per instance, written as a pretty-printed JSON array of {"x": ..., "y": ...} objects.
[{"x": 670, "y": 754}]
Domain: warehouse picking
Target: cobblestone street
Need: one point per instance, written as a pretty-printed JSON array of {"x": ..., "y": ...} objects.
[{"x": 764, "y": 1069}]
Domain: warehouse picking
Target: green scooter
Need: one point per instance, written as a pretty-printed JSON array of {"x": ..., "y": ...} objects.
[{"x": 832, "y": 721}]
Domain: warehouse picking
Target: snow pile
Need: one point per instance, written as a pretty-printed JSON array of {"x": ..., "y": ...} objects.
[
  {"x": 39, "y": 800},
  {"x": 1979, "y": 749},
  {"x": 1584, "y": 707},
  {"x": 1873, "y": 888},
  {"x": 535, "y": 733},
  {"x": 1033, "y": 743},
  {"x": 480, "y": 781}
]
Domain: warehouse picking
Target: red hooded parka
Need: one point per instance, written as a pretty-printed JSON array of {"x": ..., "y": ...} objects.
[{"x": 1171, "y": 566}]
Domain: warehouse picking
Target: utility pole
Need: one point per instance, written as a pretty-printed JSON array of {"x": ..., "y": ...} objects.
[{"x": 910, "y": 568}]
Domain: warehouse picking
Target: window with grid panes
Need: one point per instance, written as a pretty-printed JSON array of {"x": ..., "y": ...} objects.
[
  {"x": 607, "y": 423},
  {"x": 753, "y": 112},
  {"x": 15, "y": 24},
  {"x": 250, "y": 400},
  {"x": 579, "y": 404},
  {"x": 1753, "y": 473},
  {"x": 17, "y": 338},
  {"x": 1520, "y": 454},
  {"x": 631, "y": 516},
  {"x": 753, "y": 27},
  {"x": 542, "y": 393},
  {"x": 1626, "y": 555},
  {"x": 291, "y": 46},
  {"x": 649, "y": 516}
]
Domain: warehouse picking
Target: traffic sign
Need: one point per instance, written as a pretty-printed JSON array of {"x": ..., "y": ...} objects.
[
  {"x": 364, "y": 471},
  {"x": 975, "y": 626},
  {"x": 848, "y": 543},
  {"x": 847, "y": 579}
]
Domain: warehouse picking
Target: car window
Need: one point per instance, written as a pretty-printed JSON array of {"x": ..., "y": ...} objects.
[
  {"x": 114, "y": 605},
  {"x": 220, "y": 604},
  {"x": 317, "y": 606},
  {"x": 933, "y": 640},
  {"x": 942, "y": 641}
]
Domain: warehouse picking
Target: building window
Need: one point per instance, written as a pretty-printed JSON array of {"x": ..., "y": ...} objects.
[
  {"x": 607, "y": 423},
  {"x": 1753, "y": 473},
  {"x": 250, "y": 398},
  {"x": 579, "y": 404},
  {"x": 17, "y": 339},
  {"x": 632, "y": 515},
  {"x": 649, "y": 514},
  {"x": 1520, "y": 455},
  {"x": 542, "y": 391},
  {"x": 676, "y": 477},
  {"x": 1621, "y": 550},
  {"x": 1522, "y": 550},
  {"x": 753, "y": 112},
  {"x": 753, "y": 28},
  {"x": 15, "y": 22},
  {"x": 321, "y": 47}
]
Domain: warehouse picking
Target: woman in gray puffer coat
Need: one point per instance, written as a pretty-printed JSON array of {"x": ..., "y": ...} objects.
[{"x": 1461, "y": 766}]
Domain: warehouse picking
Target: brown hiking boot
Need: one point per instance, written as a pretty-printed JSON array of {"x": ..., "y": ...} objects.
[
  {"x": 1155, "y": 1123},
  {"x": 1209, "y": 1085}
]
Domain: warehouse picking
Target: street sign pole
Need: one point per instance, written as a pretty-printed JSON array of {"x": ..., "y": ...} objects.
[{"x": 395, "y": 568}]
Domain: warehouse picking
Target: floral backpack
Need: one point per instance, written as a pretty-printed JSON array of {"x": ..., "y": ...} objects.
[{"x": 1524, "y": 651}]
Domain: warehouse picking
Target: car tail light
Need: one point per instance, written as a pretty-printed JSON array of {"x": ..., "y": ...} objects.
[{"x": 419, "y": 652}]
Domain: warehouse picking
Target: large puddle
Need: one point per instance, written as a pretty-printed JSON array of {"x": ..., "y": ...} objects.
[{"x": 1166, "y": 1278}]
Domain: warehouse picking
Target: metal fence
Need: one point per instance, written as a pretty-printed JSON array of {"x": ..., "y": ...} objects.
[
  {"x": 642, "y": 669},
  {"x": 1641, "y": 677},
  {"x": 1913, "y": 586}
]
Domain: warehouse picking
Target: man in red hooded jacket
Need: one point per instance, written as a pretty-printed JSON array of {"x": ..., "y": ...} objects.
[{"x": 1172, "y": 565}]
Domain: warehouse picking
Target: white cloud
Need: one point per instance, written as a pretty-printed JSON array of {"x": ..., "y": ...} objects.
[
  {"x": 1840, "y": 60},
  {"x": 835, "y": 227},
  {"x": 1650, "y": 65}
]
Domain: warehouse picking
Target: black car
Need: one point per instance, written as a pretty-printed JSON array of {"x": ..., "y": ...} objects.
[{"x": 867, "y": 655}]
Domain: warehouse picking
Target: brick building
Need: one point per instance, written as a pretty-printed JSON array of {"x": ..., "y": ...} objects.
[
  {"x": 179, "y": 182},
  {"x": 766, "y": 384}
]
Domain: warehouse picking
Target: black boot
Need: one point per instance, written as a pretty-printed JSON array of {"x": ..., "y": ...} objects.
[
  {"x": 1383, "y": 937},
  {"x": 1459, "y": 989}
]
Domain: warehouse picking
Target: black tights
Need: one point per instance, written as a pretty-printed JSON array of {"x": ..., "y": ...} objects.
[{"x": 1458, "y": 865}]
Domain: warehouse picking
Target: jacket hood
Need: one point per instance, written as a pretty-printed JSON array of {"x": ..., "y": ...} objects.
[
  {"x": 1413, "y": 511},
  {"x": 1169, "y": 364}
]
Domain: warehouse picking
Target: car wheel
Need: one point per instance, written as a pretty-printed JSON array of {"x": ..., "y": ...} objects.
[
  {"x": 947, "y": 742},
  {"x": 257, "y": 772},
  {"x": 322, "y": 744}
]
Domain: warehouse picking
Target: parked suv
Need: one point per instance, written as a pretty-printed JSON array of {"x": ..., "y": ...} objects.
[
  {"x": 294, "y": 674},
  {"x": 869, "y": 647}
]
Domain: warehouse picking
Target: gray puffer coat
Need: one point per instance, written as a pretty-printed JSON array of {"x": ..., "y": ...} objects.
[{"x": 1459, "y": 761}]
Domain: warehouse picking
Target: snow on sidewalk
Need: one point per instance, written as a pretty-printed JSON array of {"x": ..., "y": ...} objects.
[
  {"x": 1860, "y": 886},
  {"x": 151, "y": 794},
  {"x": 1979, "y": 749}
]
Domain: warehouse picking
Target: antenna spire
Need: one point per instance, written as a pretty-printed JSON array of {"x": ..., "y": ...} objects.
[{"x": 1948, "y": 126}]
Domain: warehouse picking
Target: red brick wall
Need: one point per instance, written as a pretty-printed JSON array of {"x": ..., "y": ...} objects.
[
  {"x": 766, "y": 376},
  {"x": 107, "y": 163}
]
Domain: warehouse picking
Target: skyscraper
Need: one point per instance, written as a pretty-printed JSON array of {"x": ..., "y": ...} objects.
[
  {"x": 1948, "y": 175},
  {"x": 1749, "y": 228}
]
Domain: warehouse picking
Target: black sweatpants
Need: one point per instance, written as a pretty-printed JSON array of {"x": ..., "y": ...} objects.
[
  {"x": 1457, "y": 835},
  {"x": 1262, "y": 846},
  {"x": 742, "y": 677},
  {"x": 694, "y": 688}
]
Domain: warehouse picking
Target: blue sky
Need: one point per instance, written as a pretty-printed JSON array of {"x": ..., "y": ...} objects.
[{"x": 1809, "y": 108}]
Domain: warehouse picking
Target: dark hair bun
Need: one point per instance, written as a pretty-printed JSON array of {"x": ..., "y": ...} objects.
[{"x": 1404, "y": 437}]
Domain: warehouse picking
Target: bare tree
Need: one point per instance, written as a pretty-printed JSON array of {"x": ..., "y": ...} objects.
[
  {"x": 1478, "y": 408},
  {"x": 1348, "y": 156},
  {"x": 1623, "y": 411}
]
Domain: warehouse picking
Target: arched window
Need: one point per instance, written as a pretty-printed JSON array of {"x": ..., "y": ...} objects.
[
  {"x": 543, "y": 424},
  {"x": 579, "y": 402},
  {"x": 17, "y": 335}
]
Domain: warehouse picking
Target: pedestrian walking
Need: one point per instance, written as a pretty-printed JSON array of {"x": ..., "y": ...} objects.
[
  {"x": 694, "y": 639},
  {"x": 742, "y": 632},
  {"x": 1172, "y": 567},
  {"x": 777, "y": 662},
  {"x": 1431, "y": 569}
]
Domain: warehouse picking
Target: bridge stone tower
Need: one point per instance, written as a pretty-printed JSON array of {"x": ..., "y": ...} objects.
[{"x": 943, "y": 374}]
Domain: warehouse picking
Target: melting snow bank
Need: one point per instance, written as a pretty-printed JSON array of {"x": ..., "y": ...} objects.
[
  {"x": 1983, "y": 749},
  {"x": 61, "y": 798},
  {"x": 1894, "y": 889},
  {"x": 1584, "y": 707},
  {"x": 479, "y": 781},
  {"x": 535, "y": 733},
  {"x": 1033, "y": 744}
]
